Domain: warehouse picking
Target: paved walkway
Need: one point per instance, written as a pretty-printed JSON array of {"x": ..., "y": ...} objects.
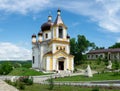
[
  {"x": 112, "y": 83},
  {"x": 42, "y": 79},
  {"x": 5, "y": 87}
]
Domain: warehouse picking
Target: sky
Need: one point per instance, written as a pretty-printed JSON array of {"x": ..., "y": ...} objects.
[{"x": 97, "y": 20}]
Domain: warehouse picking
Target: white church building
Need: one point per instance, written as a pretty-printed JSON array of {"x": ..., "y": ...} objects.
[{"x": 51, "y": 48}]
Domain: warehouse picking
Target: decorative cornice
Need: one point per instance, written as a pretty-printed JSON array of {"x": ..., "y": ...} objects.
[{"x": 57, "y": 40}]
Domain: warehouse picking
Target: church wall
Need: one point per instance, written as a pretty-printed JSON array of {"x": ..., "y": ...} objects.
[
  {"x": 71, "y": 64},
  {"x": 48, "y": 63},
  {"x": 53, "y": 32},
  {"x": 44, "y": 64},
  {"x": 41, "y": 57},
  {"x": 44, "y": 50},
  {"x": 67, "y": 50},
  {"x": 36, "y": 60},
  {"x": 51, "y": 63},
  {"x": 44, "y": 35},
  {"x": 65, "y": 64}
]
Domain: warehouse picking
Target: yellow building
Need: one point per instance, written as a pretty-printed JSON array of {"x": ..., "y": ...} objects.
[{"x": 51, "y": 52}]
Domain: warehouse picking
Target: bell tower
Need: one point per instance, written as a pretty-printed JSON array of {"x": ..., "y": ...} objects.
[{"x": 59, "y": 28}]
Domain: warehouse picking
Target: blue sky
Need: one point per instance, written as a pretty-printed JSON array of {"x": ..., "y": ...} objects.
[{"x": 98, "y": 20}]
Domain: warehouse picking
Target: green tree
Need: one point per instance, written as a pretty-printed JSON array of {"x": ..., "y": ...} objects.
[
  {"x": 5, "y": 68},
  {"x": 97, "y": 48},
  {"x": 116, "y": 63},
  {"x": 116, "y": 45},
  {"x": 79, "y": 47},
  {"x": 73, "y": 46}
]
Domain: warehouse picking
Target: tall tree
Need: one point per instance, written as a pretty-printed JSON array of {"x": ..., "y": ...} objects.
[
  {"x": 116, "y": 45},
  {"x": 73, "y": 46},
  {"x": 79, "y": 46},
  {"x": 98, "y": 48}
]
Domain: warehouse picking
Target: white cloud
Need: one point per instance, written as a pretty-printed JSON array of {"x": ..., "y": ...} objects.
[
  {"x": 106, "y": 13},
  {"x": 23, "y": 6},
  {"x": 9, "y": 51}
]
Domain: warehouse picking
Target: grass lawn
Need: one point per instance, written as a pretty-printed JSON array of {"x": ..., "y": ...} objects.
[
  {"x": 96, "y": 77},
  {"x": 94, "y": 64},
  {"x": 25, "y": 72},
  {"x": 38, "y": 87}
]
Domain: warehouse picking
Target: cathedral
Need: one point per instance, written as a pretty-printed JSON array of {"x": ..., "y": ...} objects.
[{"x": 51, "y": 47}]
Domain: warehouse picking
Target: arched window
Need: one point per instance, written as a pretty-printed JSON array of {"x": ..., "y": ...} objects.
[
  {"x": 60, "y": 32},
  {"x": 46, "y": 35},
  {"x": 33, "y": 59}
]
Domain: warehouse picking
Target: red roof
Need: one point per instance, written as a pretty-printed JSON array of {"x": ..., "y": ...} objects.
[{"x": 104, "y": 51}]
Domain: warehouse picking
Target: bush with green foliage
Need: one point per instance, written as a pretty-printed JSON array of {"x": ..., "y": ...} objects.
[
  {"x": 5, "y": 68},
  {"x": 26, "y": 80},
  {"x": 116, "y": 64},
  {"x": 27, "y": 65},
  {"x": 51, "y": 83},
  {"x": 21, "y": 85},
  {"x": 17, "y": 65},
  {"x": 21, "y": 82},
  {"x": 99, "y": 61},
  {"x": 105, "y": 61},
  {"x": 95, "y": 89}
]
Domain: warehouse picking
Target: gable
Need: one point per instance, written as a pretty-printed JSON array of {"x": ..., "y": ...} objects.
[{"x": 60, "y": 54}]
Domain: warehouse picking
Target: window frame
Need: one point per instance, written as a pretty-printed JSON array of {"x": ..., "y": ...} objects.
[{"x": 60, "y": 32}]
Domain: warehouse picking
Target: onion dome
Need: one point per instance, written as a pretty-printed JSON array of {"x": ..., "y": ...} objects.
[
  {"x": 58, "y": 11},
  {"x": 47, "y": 25},
  {"x": 33, "y": 35},
  {"x": 40, "y": 34},
  {"x": 58, "y": 20}
]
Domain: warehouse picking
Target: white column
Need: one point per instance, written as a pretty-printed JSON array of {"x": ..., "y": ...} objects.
[
  {"x": 57, "y": 65},
  {"x": 72, "y": 64},
  {"x": 67, "y": 63},
  {"x": 54, "y": 64},
  {"x": 68, "y": 49},
  {"x": 48, "y": 63},
  {"x": 64, "y": 33},
  {"x": 57, "y": 32}
]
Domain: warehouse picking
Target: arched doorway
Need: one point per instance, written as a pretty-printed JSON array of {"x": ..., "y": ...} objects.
[{"x": 61, "y": 63}]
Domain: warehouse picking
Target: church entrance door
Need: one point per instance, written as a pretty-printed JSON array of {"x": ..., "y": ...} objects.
[{"x": 61, "y": 65}]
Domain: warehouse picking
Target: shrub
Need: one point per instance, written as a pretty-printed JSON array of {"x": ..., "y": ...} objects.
[
  {"x": 21, "y": 85},
  {"x": 14, "y": 83},
  {"x": 30, "y": 81},
  {"x": 5, "y": 68},
  {"x": 17, "y": 65},
  {"x": 116, "y": 63},
  {"x": 51, "y": 83},
  {"x": 95, "y": 89},
  {"x": 26, "y": 80},
  {"x": 8, "y": 81},
  {"x": 75, "y": 70}
]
